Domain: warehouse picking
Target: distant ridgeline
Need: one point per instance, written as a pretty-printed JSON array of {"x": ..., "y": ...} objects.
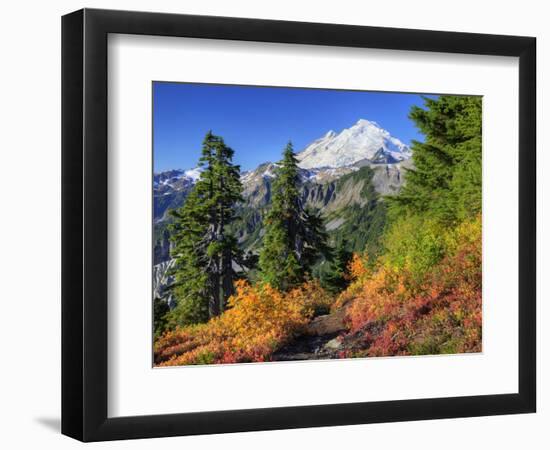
[{"x": 344, "y": 176}]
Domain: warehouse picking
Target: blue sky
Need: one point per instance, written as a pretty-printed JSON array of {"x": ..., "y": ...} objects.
[{"x": 257, "y": 122}]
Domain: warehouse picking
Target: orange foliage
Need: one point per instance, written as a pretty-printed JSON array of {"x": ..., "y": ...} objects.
[
  {"x": 259, "y": 320},
  {"x": 357, "y": 267},
  {"x": 441, "y": 314},
  {"x": 358, "y": 273},
  {"x": 389, "y": 311}
]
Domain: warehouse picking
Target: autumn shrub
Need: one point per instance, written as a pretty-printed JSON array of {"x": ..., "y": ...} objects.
[
  {"x": 414, "y": 244},
  {"x": 438, "y": 313},
  {"x": 258, "y": 321},
  {"x": 312, "y": 296},
  {"x": 358, "y": 271}
]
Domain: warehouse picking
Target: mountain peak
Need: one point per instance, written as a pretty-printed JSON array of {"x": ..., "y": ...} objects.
[
  {"x": 364, "y": 141},
  {"x": 366, "y": 123}
]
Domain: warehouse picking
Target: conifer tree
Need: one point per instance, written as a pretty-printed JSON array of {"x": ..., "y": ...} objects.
[
  {"x": 442, "y": 190},
  {"x": 294, "y": 237},
  {"x": 446, "y": 179},
  {"x": 190, "y": 279},
  {"x": 335, "y": 279},
  {"x": 161, "y": 312},
  {"x": 204, "y": 249},
  {"x": 221, "y": 187}
]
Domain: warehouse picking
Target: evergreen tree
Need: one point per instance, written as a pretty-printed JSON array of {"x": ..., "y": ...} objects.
[
  {"x": 204, "y": 249},
  {"x": 220, "y": 187},
  {"x": 446, "y": 179},
  {"x": 335, "y": 279},
  {"x": 190, "y": 278},
  {"x": 294, "y": 237},
  {"x": 442, "y": 190},
  {"x": 160, "y": 316}
]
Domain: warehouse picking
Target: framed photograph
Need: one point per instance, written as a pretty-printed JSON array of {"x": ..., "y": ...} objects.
[{"x": 273, "y": 224}]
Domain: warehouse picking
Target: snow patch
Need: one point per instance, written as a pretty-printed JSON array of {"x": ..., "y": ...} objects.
[{"x": 193, "y": 174}]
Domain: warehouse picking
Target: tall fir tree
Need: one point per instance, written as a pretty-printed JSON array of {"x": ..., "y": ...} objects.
[
  {"x": 294, "y": 237},
  {"x": 222, "y": 187},
  {"x": 204, "y": 249},
  {"x": 446, "y": 180}
]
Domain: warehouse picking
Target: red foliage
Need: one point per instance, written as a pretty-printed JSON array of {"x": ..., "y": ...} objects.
[{"x": 442, "y": 314}]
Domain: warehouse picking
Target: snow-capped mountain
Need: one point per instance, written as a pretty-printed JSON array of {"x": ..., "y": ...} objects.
[
  {"x": 364, "y": 142},
  {"x": 322, "y": 162},
  {"x": 334, "y": 179},
  {"x": 328, "y": 157}
]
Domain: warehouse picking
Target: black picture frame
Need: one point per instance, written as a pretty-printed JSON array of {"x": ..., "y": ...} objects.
[{"x": 84, "y": 224}]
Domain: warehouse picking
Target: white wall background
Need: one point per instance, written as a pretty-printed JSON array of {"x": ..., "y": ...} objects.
[{"x": 30, "y": 226}]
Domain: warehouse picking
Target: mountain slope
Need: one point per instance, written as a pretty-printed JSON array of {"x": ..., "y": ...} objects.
[
  {"x": 349, "y": 201},
  {"x": 170, "y": 189}
]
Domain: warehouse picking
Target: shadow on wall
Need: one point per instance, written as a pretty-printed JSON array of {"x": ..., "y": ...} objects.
[{"x": 53, "y": 423}]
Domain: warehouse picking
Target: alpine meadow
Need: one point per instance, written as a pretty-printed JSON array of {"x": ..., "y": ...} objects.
[{"x": 277, "y": 240}]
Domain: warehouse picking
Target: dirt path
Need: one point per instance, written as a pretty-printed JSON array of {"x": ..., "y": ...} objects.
[
  {"x": 328, "y": 337},
  {"x": 307, "y": 347},
  {"x": 320, "y": 341}
]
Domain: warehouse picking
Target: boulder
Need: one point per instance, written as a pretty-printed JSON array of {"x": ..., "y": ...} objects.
[
  {"x": 334, "y": 344},
  {"x": 327, "y": 324}
]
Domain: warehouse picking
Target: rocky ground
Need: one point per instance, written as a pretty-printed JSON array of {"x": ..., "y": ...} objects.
[{"x": 326, "y": 337}]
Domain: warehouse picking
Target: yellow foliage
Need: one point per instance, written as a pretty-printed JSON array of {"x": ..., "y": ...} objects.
[
  {"x": 259, "y": 320},
  {"x": 358, "y": 266},
  {"x": 358, "y": 273}
]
